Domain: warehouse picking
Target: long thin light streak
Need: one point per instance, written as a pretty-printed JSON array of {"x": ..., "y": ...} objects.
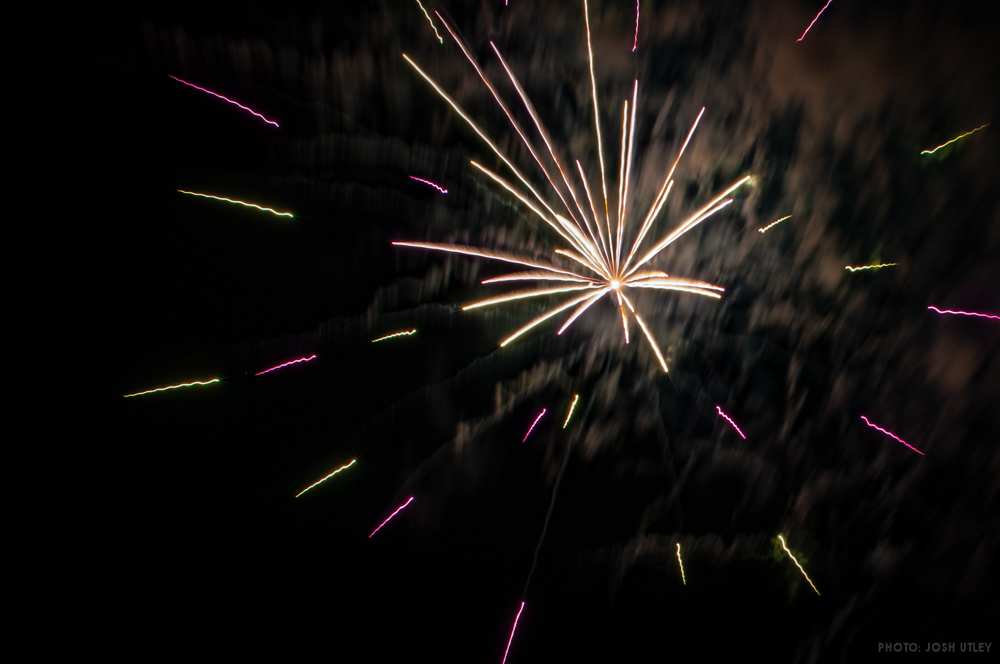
[
  {"x": 957, "y": 138},
  {"x": 544, "y": 317},
  {"x": 773, "y": 223},
  {"x": 597, "y": 116},
  {"x": 431, "y": 21},
  {"x": 225, "y": 99},
  {"x": 194, "y": 383},
  {"x": 878, "y": 266},
  {"x": 326, "y": 477},
  {"x": 628, "y": 162},
  {"x": 511, "y": 638},
  {"x": 954, "y": 312},
  {"x": 521, "y": 295},
  {"x": 681, "y": 564},
  {"x": 534, "y": 276},
  {"x": 532, "y": 427},
  {"x": 730, "y": 420},
  {"x": 890, "y": 434},
  {"x": 237, "y": 202},
  {"x": 635, "y": 42},
  {"x": 572, "y": 407},
  {"x": 429, "y": 184},
  {"x": 403, "y": 333},
  {"x": 811, "y": 23},
  {"x": 497, "y": 256},
  {"x": 792, "y": 556},
  {"x": 583, "y": 307},
  {"x": 389, "y": 518},
  {"x": 652, "y": 342},
  {"x": 289, "y": 363}
]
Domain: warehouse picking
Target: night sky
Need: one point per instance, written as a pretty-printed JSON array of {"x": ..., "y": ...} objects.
[{"x": 216, "y": 556}]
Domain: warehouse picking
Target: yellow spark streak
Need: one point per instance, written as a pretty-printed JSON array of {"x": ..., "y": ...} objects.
[
  {"x": 681, "y": 563},
  {"x": 583, "y": 307},
  {"x": 429, "y": 20},
  {"x": 773, "y": 223},
  {"x": 320, "y": 481},
  {"x": 403, "y": 333},
  {"x": 444, "y": 95},
  {"x": 533, "y": 276},
  {"x": 544, "y": 317},
  {"x": 691, "y": 222},
  {"x": 521, "y": 295},
  {"x": 792, "y": 556},
  {"x": 172, "y": 387},
  {"x": 597, "y": 119},
  {"x": 652, "y": 342},
  {"x": 877, "y": 266},
  {"x": 572, "y": 406},
  {"x": 957, "y": 138},
  {"x": 472, "y": 251},
  {"x": 233, "y": 200}
]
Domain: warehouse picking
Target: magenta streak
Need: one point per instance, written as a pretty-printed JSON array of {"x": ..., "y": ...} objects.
[
  {"x": 809, "y": 27},
  {"x": 964, "y": 313},
  {"x": 226, "y": 99},
  {"x": 891, "y": 435},
  {"x": 429, "y": 183},
  {"x": 286, "y": 364},
  {"x": 389, "y": 518},
  {"x": 635, "y": 44},
  {"x": 730, "y": 420},
  {"x": 532, "y": 427},
  {"x": 512, "y": 629}
]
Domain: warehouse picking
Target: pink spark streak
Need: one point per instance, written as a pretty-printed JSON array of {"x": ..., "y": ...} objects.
[
  {"x": 635, "y": 43},
  {"x": 809, "y": 27},
  {"x": 532, "y": 427},
  {"x": 963, "y": 313},
  {"x": 430, "y": 184},
  {"x": 512, "y": 630},
  {"x": 225, "y": 99},
  {"x": 891, "y": 435},
  {"x": 730, "y": 420},
  {"x": 297, "y": 360},
  {"x": 389, "y": 518}
]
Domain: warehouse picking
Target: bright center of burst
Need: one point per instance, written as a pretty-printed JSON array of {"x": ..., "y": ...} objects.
[{"x": 615, "y": 284}]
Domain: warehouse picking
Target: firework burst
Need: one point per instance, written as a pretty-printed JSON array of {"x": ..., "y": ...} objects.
[{"x": 594, "y": 236}]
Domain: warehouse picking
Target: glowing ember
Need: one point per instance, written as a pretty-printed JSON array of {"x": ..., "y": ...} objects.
[
  {"x": 532, "y": 427},
  {"x": 890, "y": 434},
  {"x": 393, "y": 335},
  {"x": 957, "y": 138},
  {"x": 326, "y": 477},
  {"x": 953, "y": 312},
  {"x": 429, "y": 184},
  {"x": 792, "y": 556},
  {"x": 572, "y": 406},
  {"x": 237, "y": 202},
  {"x": 225, "y": 99},
  {"x": 512, "y": 630},
  {"x": 730, "y": 420},
  {"x": 289, "y": 363},
  {"x": 811, "y": 23},
  {"x": 194, "y": 383},
  {"x": 773, "y": 223},
  {"x": 389, "y": 518}
]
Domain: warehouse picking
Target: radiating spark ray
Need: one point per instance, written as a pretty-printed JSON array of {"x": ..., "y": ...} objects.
[
  {"x": 512, "y": 630},
  {"x": 582, "y": 261},
  {"x": 812, "y": 22},
  {"x": 680, "y": 289},
  {"x": 680, "y": 563},
  {"x": 635, "y": 42},
  {"x": 652, "y": 342},
  {"x": 648, "y": 223},
  {"x": 572, "y": 407},
  {"x": 621, "y": 308},
  {"x": 389, "y": 518},
  {"x": 298, "y": 360},
  {"x": 891, "y": 435},
  {"x": 535, "y": 276},
  {"x": 403, "y": 333},
  {"x": 544, "y": 317},
  {"x": 877, "y": 266},
  {"x": 237, "y": 202},
  {"x": 773, "y": 223},
  {"x": 225, "y": 99},
  {"x": 621, "y": 185},
  {"x": 583, "y": 307},
  {"x": 593, "y": 210},
  {"x": 731, "y": 423},
  {"x": 597, "y": 117},
  {"x": 957, "y": 138},
  {"x": 794, "y": 560},
  {"x": 628, "y": 162},
  {"x": 429, "y": 184},
  {"x": 521, "y": 295},
  {"x": 431, "y": 21},
  {"x": 963, "y": 313},
  {"x": 532, "y": 427},
  {"x": 194, "y": 383},
  {"x": 326, "y": 477},
  {"x": 470, "y": 251}
]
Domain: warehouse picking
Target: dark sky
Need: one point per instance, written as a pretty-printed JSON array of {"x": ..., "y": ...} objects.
[{"x": 219, "y": 559}]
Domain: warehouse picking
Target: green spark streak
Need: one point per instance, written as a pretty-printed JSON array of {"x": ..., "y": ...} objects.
[
  {"x": 233, "y": 200},
  {"x": 328, "y": 476},
  {"x": 957, "y": 138},
  {"x": 193, "y": 383},
  {"x": 877, "y": 266},
  {"x": 404, "y": 333}
]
